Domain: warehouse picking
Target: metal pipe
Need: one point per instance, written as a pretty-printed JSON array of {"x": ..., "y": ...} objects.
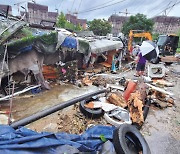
[{"x": 53, "y": 109}]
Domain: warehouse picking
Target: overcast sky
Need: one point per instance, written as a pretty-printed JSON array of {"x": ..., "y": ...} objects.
[{"x": 91, "y": 9}]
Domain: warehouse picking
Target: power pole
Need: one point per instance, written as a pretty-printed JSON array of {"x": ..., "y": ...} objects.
[{"x": 126, "y": 12}]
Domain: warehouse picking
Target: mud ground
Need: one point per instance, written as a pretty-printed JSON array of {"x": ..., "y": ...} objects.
[{"x": 161, "y": 128}]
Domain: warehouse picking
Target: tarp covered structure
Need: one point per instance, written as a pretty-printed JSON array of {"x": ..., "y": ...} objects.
[
  {"x": 30, "y": 48},
  {"x": 24, "y": 140},
  {"x": 100, "y": 46}
]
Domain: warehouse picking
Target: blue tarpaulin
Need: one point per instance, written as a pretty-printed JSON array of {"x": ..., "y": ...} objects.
[
  {"x": 24, "y": 140},
  {"x": 69, "y": 42}
]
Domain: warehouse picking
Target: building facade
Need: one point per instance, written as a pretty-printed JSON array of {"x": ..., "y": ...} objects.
[
  {"x": 117, "y": 23},
  {"x": 74, "y": 20},
  {"x": 37, "y": 13},
  {"x": 5, "y": 8},
  {"x": 166, "y": 24}
]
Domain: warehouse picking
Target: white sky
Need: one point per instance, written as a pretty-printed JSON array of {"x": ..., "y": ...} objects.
[{"x": 148, "y": 7}]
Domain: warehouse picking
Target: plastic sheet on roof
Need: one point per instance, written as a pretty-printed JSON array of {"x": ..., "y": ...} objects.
[
  {"x": 69, "y": 42},
  {"x": 100, "y": 46}
]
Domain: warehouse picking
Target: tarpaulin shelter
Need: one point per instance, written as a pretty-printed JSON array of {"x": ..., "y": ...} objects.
[
  {"x": 24, "y": 140},
  {"x": 69, "y": 42},
  {"x": 100, "y": 46},
  {"x": 28, "y": 50}
]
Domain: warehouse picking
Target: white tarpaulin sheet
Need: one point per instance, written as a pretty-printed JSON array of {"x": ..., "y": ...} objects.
[{"x": 100, "y": 46}]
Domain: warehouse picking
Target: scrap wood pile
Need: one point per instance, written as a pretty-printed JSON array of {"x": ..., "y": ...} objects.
[{"x": 131, "y": 105}]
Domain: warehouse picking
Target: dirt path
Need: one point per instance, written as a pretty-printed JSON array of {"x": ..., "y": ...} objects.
[{"x": 162, "y": 127}]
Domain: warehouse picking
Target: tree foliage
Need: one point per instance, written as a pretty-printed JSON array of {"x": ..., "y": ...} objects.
[
  {"x": 63, "y": 23},
  {"x": 137, "y": 22},
  {"x": 155, "y": 36},
  {"x": 61, "y": 20},
  {"x": 100, "y": 26}
]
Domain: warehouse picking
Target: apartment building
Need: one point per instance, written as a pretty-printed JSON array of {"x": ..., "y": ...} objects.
[
  {"x": 5, "y": 8},
  {"x": 117, "y": 23},
  {"x": 166, "y": 24},
  {"x": 36, "y": 13},
  {"x": 74, "y": 20}
]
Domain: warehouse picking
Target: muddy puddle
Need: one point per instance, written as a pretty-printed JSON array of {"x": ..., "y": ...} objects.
[{"x": 28, "y": 104}]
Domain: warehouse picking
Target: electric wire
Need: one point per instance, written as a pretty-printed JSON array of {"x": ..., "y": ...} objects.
[
  {"x": 171, "y": 8},
  {"x": 79, "y": 5},
  {"x": 72, "y": 5},
  {"x": 176, "y": 3},
  {"x": 85, "y": 11},
  {"x": 100, "y": 5}
]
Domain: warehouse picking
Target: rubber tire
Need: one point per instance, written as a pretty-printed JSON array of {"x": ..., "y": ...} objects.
[
  {"x": 120, "y": 140},
  {"x": 90, "y": 113}
]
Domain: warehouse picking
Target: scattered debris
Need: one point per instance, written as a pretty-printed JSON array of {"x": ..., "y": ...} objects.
[
  {"x": 160, "y": 89},
  {"x": 161, "y": 82},
  {"x": 86, "y": 81},
  {"x": 156, "y": 70},
  {"x": 102, "y": 81},
  {"x": 118, "y": 116},
  {"x": 130, "y": 88},
  {"x": 161, "y": 100},
  {"x": 135, "y": 106},
  {"x": 117, "y": 99},
  {"x": 76, "y": 119},
  {"x": 20, "y": 92},
  {"x": 114, "y": 86}
]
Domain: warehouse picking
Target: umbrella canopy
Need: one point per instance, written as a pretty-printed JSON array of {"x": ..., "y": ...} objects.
[{"x": 149, "y": 50}]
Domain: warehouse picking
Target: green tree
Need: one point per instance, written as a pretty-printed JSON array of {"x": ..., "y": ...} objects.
[
  {"x": 155, "y": 36},
  {"x": 100, "y": 27},
  {"x": 138, "y": 22},
  {"x": 78, "y": 27},
  {"x": 61, "y": 21},
  {"x": 69, "y": 25}
]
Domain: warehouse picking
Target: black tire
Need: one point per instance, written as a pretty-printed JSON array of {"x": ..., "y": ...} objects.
[
  {"x": 128, "y": 140},
  {"x": 90, "y": 113}
]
